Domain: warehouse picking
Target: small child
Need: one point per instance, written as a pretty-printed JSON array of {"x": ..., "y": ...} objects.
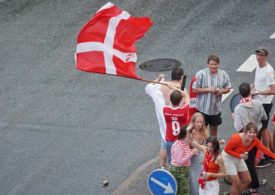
[{"x": 181, "y": 154}]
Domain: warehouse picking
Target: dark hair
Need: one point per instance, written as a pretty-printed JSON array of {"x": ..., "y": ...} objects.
[
  {"x": 215, "y": 145},
  {"x": 244, "y": 89},
  {"x": 250, "y": 126},
  {"x": 183, "y": 132},
  {"x": 176, "y": 74},
  {"x": 214, "y": 58},
  {"x": 176, "y": 97},
  {"x": 262, "y": 50}
]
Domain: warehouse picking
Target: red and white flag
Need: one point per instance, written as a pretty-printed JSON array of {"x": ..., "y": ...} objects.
[
  {"x": 106, "y": 44},
  {"x": 193, "y": 96}
]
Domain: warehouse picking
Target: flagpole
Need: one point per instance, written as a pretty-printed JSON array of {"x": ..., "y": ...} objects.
[
  {"x": 149, "y": 81},
  {"x": 137, "y": 79}
]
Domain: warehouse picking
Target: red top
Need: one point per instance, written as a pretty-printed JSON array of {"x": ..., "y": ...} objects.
[
  {"x": 175, "y": 118},
  {"x": 273, "y": 118},
  {"x": 235, "y": 146},
  {"x": 193, "y": 96},
  {"x": 210, "y": 166}
]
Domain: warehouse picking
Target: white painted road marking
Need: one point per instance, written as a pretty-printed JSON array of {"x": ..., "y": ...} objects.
[
  {"x": 224, "y": 96},
  {"x": 168, "y": 188},
  {"x": 272, "y": 36},
  {"x": 249, "y": 65}
]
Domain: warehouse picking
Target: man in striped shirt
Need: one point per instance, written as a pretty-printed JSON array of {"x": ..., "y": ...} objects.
[{"x": 210, "y": 84}]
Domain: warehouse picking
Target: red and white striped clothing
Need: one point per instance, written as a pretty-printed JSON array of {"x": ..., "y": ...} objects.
[{"x": 181, "y": 153}]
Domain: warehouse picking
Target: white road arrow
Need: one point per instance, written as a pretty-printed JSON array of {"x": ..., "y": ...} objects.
[
  {"x": 249, "y": 65},
  {"x": 224, "y": 96},
  {"x": 272, "y": 36},
  {"x": 168, "y": 188}
]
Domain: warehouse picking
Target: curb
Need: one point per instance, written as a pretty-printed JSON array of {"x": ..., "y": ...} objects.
[{"x": 134, "y": 176}]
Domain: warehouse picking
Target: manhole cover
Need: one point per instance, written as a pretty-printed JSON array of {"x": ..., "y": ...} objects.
[{"x": 159, "y": 65}]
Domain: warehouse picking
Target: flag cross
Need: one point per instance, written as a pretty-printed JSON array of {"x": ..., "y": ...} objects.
[{"x": 107, "y": 46}]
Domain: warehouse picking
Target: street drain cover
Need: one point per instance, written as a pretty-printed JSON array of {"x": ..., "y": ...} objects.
[{"x": 159, "y": 65}]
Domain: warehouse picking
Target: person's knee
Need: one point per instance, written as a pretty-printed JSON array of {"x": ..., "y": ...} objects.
[
  {"x": 265, "y": 133},
  {"x": 247, "y": 181},
  {"x": 163, "y": 151},
  {"x": 235, "y": 181}
]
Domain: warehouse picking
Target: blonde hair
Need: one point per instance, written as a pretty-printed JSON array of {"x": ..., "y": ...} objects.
[{"x": 203, "y": 131}]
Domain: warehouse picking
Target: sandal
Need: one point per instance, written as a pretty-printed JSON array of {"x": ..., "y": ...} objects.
[
  {"x": 254, "y": 191},
  {"x": 247, "y": 192},
  {"x": 264, "y": 182}
]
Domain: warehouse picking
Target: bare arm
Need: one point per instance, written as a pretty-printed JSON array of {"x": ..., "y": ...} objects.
[
  {"x": 176, "y": 86},
  {"x": 204, "y": 90},
  {"x": 217, "y": 91},
  {"x": 222, "y": 91},
  {"x": 270, "y": 91},
  {"x": 195, "y": 144},
  {"x": 159, "y": 78},
  {"x": 222, "y": 172}
]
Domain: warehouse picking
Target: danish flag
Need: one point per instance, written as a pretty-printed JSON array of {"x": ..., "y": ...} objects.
[{"x": 106, "y": 44}]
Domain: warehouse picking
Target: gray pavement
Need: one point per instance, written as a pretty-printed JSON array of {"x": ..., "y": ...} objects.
[
  {"x": 63, "y": 131},
  {"x": 136, "y": 184}
]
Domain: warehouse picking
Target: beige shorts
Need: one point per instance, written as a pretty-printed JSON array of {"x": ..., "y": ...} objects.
[{"x": 233, "y": 165}]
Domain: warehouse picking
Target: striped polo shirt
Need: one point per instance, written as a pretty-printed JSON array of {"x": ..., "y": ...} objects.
[{"x": 210, "y": 103}]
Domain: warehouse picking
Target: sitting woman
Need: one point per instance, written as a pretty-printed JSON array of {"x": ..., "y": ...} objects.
[
  {"x": 234, "y": 154},
  {"x": 213, "y": 168},
  {"x": 180, "y": 161}
]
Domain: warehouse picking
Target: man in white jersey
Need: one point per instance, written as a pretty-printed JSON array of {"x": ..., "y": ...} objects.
[
  {"x": 264, "y": 86},
  {"x": 161, "y": 97}
]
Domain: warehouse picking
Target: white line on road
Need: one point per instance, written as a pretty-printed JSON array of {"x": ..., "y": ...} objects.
[
  {"x": 249, "y": 65},
  {"x": 227, "y": 95},
  {"x": 272, "y": 36},
  {"x": 168, "y": 188}
]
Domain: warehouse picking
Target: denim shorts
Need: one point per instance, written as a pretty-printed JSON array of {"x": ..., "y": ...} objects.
[
  {"x": 167, "y": 146},
  {"x": 163, "y": 144}
]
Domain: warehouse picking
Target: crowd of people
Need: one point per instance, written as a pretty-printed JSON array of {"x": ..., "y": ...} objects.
[{"x": 191, "y": 153}]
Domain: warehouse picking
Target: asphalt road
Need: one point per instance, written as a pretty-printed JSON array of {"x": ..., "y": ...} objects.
[{"x": 63, "y": 131}]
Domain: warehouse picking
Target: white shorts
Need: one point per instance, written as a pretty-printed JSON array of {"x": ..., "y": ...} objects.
[
  {"x": 233, "y": 165},
  {"x": 210, "y": 188}
]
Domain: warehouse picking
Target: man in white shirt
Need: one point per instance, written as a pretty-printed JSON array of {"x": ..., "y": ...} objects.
[
  {"x": 161, "y": 97},
  {"x": 264, "y": 86}
]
